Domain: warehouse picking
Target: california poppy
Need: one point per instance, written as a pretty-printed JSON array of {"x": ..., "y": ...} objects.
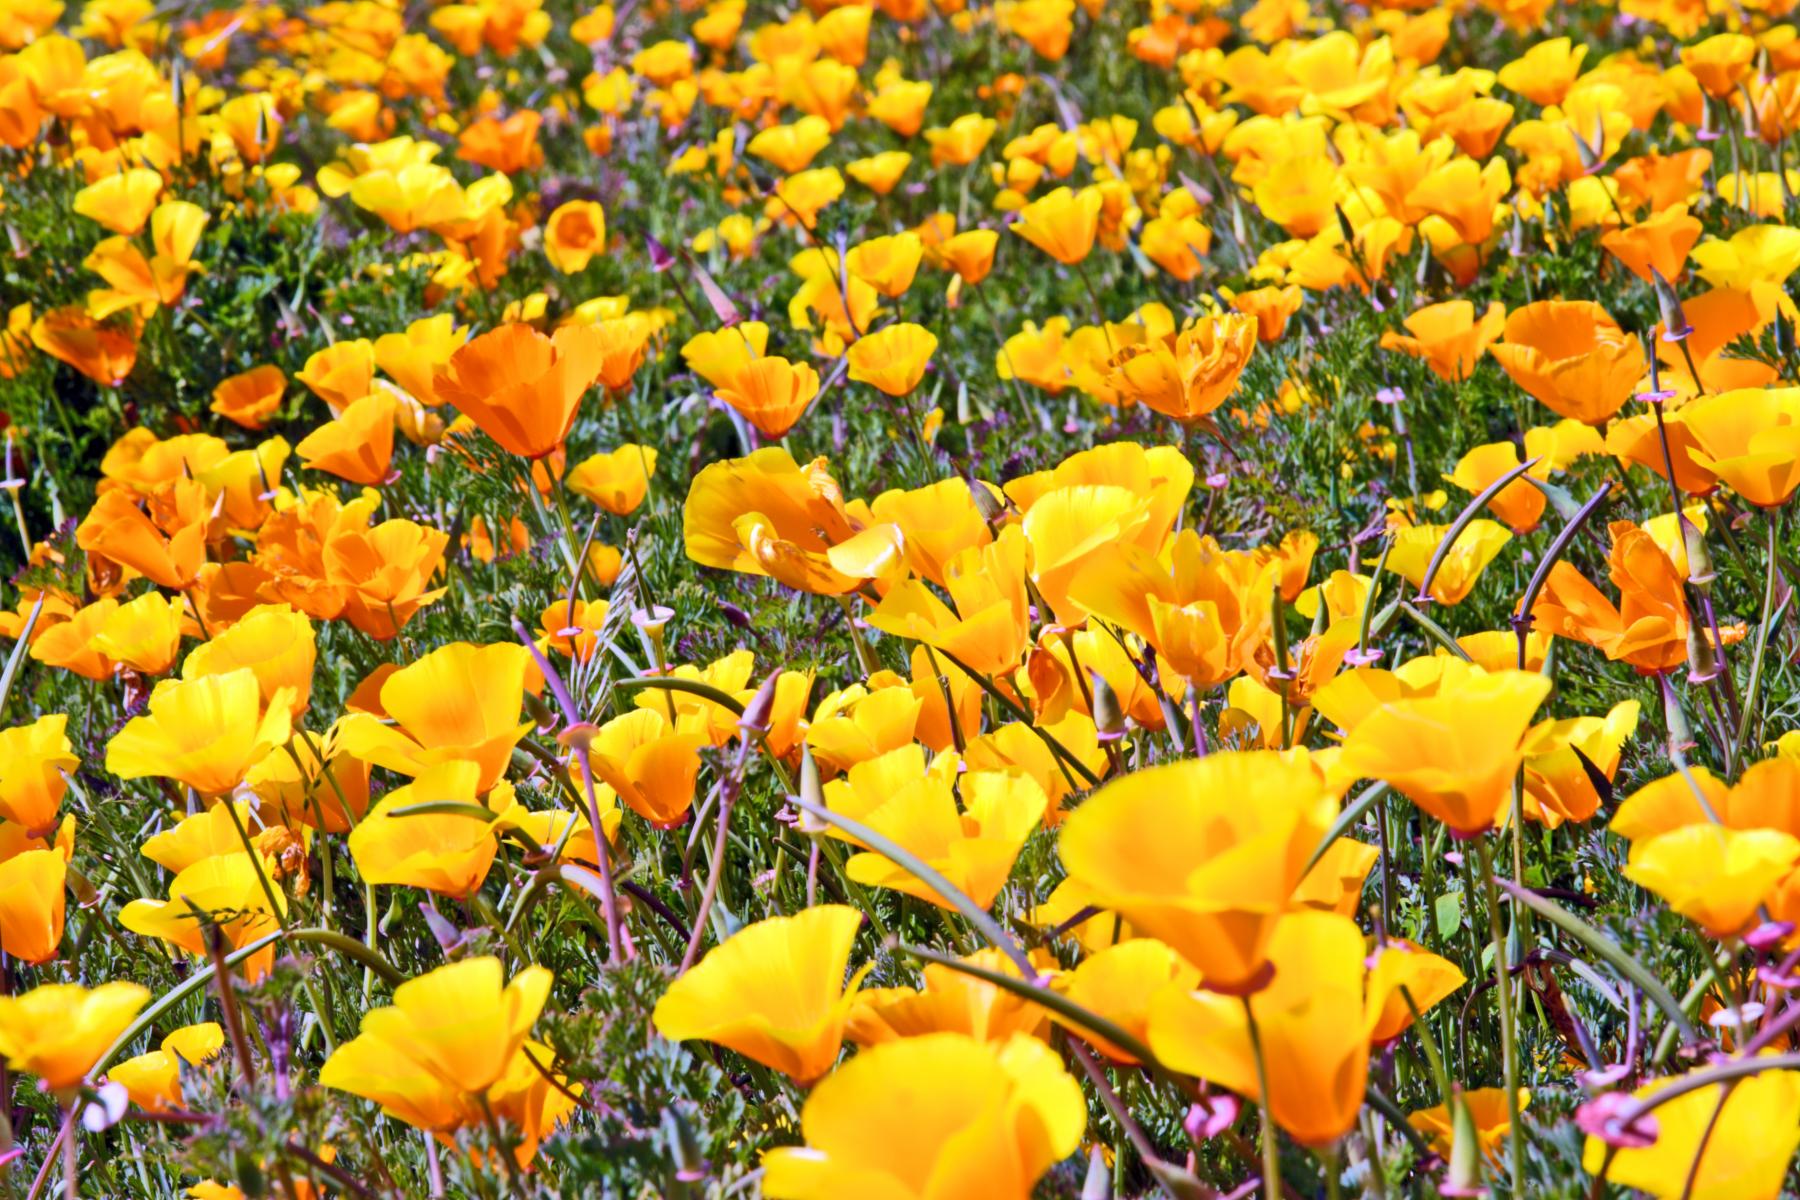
[
  {"x": 892, "y": 358},
  {"x": 1171, "y": 850},
  {"x": 772, "y": 393},
  {"x": 520, "y": 387},
  {"x": 58, "y": 1031},
  {"x": 460, "y": 1024},
  {"x": 791, "y": 1020},
  {"x": 1448, "y": 337},
  {"x": 447, "y": 853},
  {"x": 1314, "y": 1023},
  {"x": 1572, "y": 356},
  {"x": 900, "y": 1116},
  {"x": 1453, "y": 753},
  {"x": 205, "y": 733}
]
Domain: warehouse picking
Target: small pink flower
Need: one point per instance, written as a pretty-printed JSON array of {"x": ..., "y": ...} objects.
[{"x": 1618, "y": 1120}]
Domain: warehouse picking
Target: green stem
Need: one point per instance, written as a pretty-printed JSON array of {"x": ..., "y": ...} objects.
[
  {"x": 1509, "y": 1051},
  {"x": 1754, "y": 686},
  {"x": 1271, "y": 1140}
]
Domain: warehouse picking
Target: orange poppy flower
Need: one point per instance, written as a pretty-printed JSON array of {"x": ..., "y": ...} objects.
[
  {"x": 575, "y": 233},
  {"x": 1448, "y": 337},
  {"x": 1648, "y": 628},
  {"x": 358, "y": 445},
  {"x": 341, "y": 374},
  {"x": 772, "y": 393},
  {"x": 1750, "y": 439},
  {"x": 251, "y": 397},
  {"x": 121, "y": 531},
  {"x": 893, "y": 358},
  {"x": 522, "y": 388},
  {"x": 1572, "y": 356},
  {"x": 1659, "y": 244},
  {"x": 105, "y": 353},
  {"x": 1063, "y": 224}
]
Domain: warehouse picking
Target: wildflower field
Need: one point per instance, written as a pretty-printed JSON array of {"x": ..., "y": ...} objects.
[{"x": 899, "y": 600}]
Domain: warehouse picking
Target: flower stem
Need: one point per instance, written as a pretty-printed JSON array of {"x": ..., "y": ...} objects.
[
  {"x": 1509, "y": 1050},
  {"x": 1271, "y": 1140}
]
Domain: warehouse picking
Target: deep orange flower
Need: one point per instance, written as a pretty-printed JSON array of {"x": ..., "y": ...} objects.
[
  {"x": 1448, "y": 337},
  {"x": 521, "y": 387},
  {"x": 358, "y": 445},
  {"x": 121, "y": 531},
  {"x": 1648, "y": 628},
  {"x": 341, "y": 374},
  {"x": 1572, "y": 356},
  {"x": 507, "y": 146},
  {"x": 251, "y": 397},
  {"x": 772, "y": 393},
  {"x": 105, "y": 353},
  {"x": 1188, "y": 374},
  {"x": 1659, "y": 244}
]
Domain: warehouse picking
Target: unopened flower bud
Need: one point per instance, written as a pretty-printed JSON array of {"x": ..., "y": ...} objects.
[
  {"x": 756, "y": 713},
  {"x": 1463, "y": 1176},
  {"x": 1674, "y": 321},
  {"x": 812, "y": 792},
  {"x": 1098, "y": 1184},
  {"x": 1703, "y": 663},
  {"x": 1109, "y": 716},
  {"x": 1699, "y": 558}
]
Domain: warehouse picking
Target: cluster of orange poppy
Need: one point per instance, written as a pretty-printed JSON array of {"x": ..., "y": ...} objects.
[{"x": 1133, "y": 792}]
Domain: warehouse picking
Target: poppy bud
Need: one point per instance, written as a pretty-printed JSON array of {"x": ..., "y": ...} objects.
[
  {"x": 1703, "y": 663},
  {"x": 1109, "y": 715},
  {"x": 690, "y": 1164},
  {"x": 1098, "y": 1184},
  {"x": 1674, "y": 320},
  {"x": 812, "y": 791},
  {"x": 1463, "y": 1178},
  {"x": 250, "y": 1178},
  {"x": 1700, "y": 567},
  {"x": 990, "y": 506},
  {"x": 756, "y": 713},
  {"x": 540, "y": 712},
  {"x": 1708, "y": 131},
  {"x": 1681, "y": 735}
]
